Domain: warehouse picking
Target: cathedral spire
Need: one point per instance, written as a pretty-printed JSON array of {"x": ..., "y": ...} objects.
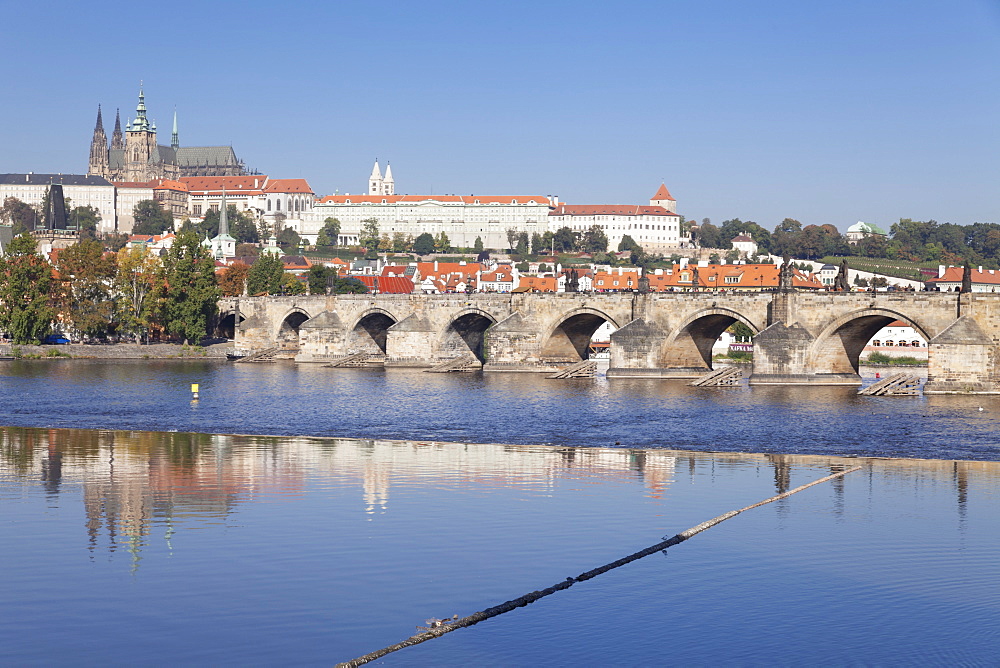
[
  {"x": 141, "y": 122},
  {"x": 175, "y": 142},
  {"x": 117, "y": 142},
  {"x": 98, "y": 163}
]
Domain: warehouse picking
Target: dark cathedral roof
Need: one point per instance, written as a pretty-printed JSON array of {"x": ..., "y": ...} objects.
[
  {"x": 193, "y": 156},
  {"x": 46, "y": 179}
]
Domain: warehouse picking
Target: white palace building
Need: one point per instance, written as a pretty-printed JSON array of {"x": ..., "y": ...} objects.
[{"x": 465, "y": 217}]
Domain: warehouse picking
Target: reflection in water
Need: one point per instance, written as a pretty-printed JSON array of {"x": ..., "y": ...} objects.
[{"x": 134, "y": 480}]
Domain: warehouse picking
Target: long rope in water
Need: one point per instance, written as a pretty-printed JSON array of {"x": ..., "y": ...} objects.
[{"x": 522, "y": 601}]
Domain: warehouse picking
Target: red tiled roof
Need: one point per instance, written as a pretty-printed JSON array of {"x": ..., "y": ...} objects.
[
  {"x": 609, "y": 210},
  {"x": 388, "y": 285},
  {"x": 663, "y": 193},
  {"x": 235, "y": 184},
  {"x": 446, "y": 199},
  {"x": 537, "y": 284},
  {"x": 426, "y": 269},
  {"x": 288, "y": 186},
  {"x": 954, "y": 275}
]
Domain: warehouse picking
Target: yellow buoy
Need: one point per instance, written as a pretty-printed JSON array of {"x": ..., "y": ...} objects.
[{"x": 194, "y": 390}]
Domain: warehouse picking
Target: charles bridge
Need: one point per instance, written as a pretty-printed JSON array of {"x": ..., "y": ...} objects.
[{"x": 800, "y": 337}]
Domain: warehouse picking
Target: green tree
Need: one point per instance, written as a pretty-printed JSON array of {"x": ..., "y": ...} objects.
[
  {"x": 20, "y": 216},
  {"x": 369, "y": 234},
  {"x": 478, "y": 246},
  {"x": 26, "y": 291},
  {"x": 347, "y": 286},
  {"x": 522, "y": 244},
  {"x": 709, "y": 236},
  {"x": 329, "y": 233},
  {"x": 442, "y": 243},
  {"x": 150, "y": 218},
  {"x": 187, "y": 294},
  {"x": 628, "y": 244},
  {"x": 288, "y": 240},
  {"x": 265, "y": 275},
  {"x": 318, "y": 277},
  {"x": 594, "y": 240},
  {"x": 400, "y": 242},
  {"x": 564, "y": 240},
  {"x": 536, "y": 243},
  {"x": 134, "y": 281},
  {"x": 85, "y": 219},
  {"x": 89, "y": 274},
  {"x": 511, "y": 237},
  {"x": 242, "y": 226},
  {"x": 423, "y": 244}
]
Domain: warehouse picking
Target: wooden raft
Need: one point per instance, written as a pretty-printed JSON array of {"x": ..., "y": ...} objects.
[
  {"x": 582, "y": 369},
  {"x": 460, "y": 364},
  {"x": 266, "y": 355},
  {"x": 900, "y": 384},
  {"x": 727, "y": 375}
]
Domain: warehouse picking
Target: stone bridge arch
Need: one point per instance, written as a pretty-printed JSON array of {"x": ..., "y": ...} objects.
[
  {"x": 689, "y": 346},
  {"x": 226, "y": 321},
  {"x": 287, "y": 334},
  {"x": 466, "y": 332},
  {"x": 568, "y": 341},
  {"x": 370, "y": 331},
  {"x": 837, "y": 348}
]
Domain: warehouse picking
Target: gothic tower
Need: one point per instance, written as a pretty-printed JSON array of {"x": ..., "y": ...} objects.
[
  {"x": 117, "y": 142},
  {"x": 388, "y": 185},
  {"x": 98, "y": 149},
  {"x": 140, "y": 145},
  {"x": 375, "y": 180},
  {"x": 175, "y": 142}
]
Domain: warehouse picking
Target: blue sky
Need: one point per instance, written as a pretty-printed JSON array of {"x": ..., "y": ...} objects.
[{"x": 824, "y": 112}]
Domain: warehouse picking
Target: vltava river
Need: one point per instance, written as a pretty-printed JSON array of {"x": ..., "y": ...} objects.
[{"x": 128, "y": 545}]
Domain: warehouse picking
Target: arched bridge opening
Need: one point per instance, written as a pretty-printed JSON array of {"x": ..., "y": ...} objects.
[
  {"x": 288, "y": 332},
  {"x": 691, "y": 346},
  {"x": 226, "y": 326},
  {"x": 571, "y": 340},
  {"x": 370, "y": 333},
  {"x": 838, "y": 349},
  {"x": 467, "y": 333}
]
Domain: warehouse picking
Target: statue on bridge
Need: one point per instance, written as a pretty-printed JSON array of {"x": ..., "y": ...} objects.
[
  {"x": 967, "y": 278},
  {"x": 573, "y": 281},
  {"x": 785, "y": 275},
  {"x": 841, "y": 283}
]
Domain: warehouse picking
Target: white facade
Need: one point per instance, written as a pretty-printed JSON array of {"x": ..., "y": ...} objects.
[
  {"x": 462, "y": 218},
  {"x": 78, "y": 190},
  {"x": 130, "y": 194}
]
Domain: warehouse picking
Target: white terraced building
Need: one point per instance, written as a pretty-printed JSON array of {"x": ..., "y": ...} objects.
[{"x": 488, "y": 217}]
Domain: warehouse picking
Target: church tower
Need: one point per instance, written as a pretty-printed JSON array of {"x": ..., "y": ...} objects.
[
  {"x": 117, "y": 141},
  {"x": 388, "y": 185},
  {"x": 175, "y": 142},
  {"x": 98, "y": 149},
  {"x": 663, "y": 198},
  {"x": 140, "y": 145},
  {"x": 375, "y": 180}
]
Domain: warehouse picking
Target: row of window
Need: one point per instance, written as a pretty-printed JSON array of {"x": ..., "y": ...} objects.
[{"x": 890, "y": 344}]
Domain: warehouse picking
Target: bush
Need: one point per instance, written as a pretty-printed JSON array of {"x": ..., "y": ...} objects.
[{"x": 903, "y": 360}]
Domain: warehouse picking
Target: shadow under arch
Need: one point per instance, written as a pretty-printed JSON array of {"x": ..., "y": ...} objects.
[
  {"x": 371, "y": 331},
  {"x": 569, "y": 340},
  {"x": 467, "y": 333},
  {"x": 838, "y": 347},
  {"x": 690, "y": 345},
  {"x": 225, "y": 327},
  {"x": 288, "y": 331}
]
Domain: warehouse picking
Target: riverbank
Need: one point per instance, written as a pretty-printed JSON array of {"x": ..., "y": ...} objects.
[{"x": 123, "y": 351}]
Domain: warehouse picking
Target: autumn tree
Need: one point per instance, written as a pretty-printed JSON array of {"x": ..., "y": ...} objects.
[
  {"x": 233, "y": 280},
  {"x": 26, "y": 288},
  {"x": 89, "y": 275},
  {"x": 137, "y": 268}
]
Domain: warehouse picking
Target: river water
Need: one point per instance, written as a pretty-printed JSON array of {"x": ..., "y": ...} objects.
[{"x": 135, "y": 533}]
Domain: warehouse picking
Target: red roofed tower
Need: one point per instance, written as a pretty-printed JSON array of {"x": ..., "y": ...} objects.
[{"x": 664, "y": 199}]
